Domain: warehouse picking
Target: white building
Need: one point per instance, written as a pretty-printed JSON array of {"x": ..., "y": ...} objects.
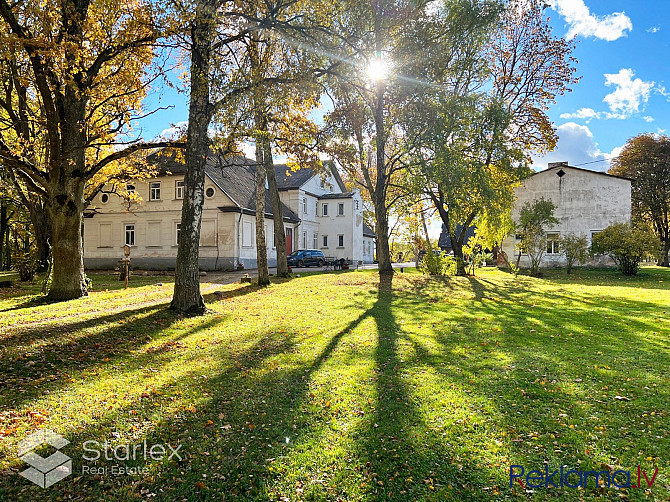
[
  {"x": 586, "y": 203},
  {"x": 150, "y": 225}
]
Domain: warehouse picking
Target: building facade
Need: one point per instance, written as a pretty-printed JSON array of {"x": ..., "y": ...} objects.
[
  {"x": 147, "y": 215},
  {"x": 586, "y": 203}
]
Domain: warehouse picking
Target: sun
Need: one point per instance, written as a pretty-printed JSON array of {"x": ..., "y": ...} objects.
[{"x": 378, "y": 69}]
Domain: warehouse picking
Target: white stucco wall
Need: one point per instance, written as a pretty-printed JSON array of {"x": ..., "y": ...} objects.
[{"x": 586, "y": 202}]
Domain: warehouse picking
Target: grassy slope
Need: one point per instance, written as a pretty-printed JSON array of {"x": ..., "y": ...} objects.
[{"x": 319, "y": 389}]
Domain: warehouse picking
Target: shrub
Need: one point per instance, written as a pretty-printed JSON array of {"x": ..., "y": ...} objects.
[
  {"x": 534, "y": 219},
  {"x": 626, "y": 245},
  {"x": 438, "y": 263},
  {"x": 576, "y": 250},
  {"x": 26, "y": 265}
]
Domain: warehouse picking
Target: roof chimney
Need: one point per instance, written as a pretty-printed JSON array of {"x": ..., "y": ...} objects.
[{"x": 557, "y": 164}]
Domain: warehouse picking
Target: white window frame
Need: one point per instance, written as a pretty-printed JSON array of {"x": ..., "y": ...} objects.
[
  {"x": 315, "y": 241},
  {"x": 304, "y": 205},
  {"x": 325, "y": 241},
  {"x": 340, "y": 238},
  {"x": 129, "y": 231},
  {"x": 304, "y": 239},
  {"x": 552, "y": 239},
  {"x": 155, "y": 190},
  {"x": 324, "y": 210},
  {"x": 177, "y": 231},
  {"x": 179, "y": 187},
  {"x": 340, "y": 208}
]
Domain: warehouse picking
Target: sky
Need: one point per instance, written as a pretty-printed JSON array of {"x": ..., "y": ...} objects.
[{"x": 622, "y": 48}]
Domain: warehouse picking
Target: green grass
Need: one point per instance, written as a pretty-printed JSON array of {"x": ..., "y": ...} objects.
[{"x": 319, "y": 388}]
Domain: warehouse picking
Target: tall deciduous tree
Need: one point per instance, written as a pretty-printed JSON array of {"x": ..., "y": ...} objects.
[
  {"x": 84, "y": 76},
  {"x": 646, "y": 160},
  {"x": 491, "y": 114}
]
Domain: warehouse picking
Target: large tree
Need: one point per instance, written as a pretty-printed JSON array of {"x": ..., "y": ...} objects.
[
  {"x": 481, "y": 126},
  {"x": 646, "y": 160},
  {"x": 83, "y": 75}
]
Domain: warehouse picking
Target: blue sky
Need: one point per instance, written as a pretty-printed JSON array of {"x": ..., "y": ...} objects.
[{"x": 622, "y": 48}]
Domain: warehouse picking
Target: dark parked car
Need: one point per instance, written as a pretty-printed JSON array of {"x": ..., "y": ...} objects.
[{"x": 306, "y": 258}]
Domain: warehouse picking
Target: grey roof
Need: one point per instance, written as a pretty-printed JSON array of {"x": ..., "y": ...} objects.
[
  {"x": 288, "y": 179},
  {"x": 367, "y": 231},
  {"x": 346, "y": 195},
  {"x": 445, "y": 241},
  {"x": 562, "y": 165},
  {"x": 235, "y": 176}
]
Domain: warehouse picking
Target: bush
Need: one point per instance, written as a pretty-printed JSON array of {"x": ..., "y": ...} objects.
[
  {"x": 576, "y": 250},
  {"x": 437, "y": 263},
  {"x": 26, "y": 265},
  {"x": 626, "y": 245}
]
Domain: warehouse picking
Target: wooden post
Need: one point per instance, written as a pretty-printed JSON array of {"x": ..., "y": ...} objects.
[{"x": 126, "y": 265}]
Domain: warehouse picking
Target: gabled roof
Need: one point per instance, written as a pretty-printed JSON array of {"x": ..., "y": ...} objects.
[
  {"x": 444, "y": 241},
  {"x": 367, "y": 231},
  {"x": 235, "y": 176},
  {"x": 288, "y": 179},
  {"x": 557, "y": 166}
]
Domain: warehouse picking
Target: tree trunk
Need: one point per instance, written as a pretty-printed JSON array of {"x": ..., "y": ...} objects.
[
  {"x": 3, "y": 231},
  {"x": 278, "y": 216},
  {"x": 379, "y": 195},
  {"x": 457, "y": 247},
  {"x": 42, "y": 230},
  {"x": 261, "y": 246},
  {"x": 187, "y": 298},
  {"x": 665, "y": 255},
  {"x": 65, "y": 214}
]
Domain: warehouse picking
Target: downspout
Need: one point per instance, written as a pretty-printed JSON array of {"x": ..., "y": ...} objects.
[
  {"x": 216, "y": 262},
  {"x": 239, "y": 241}
]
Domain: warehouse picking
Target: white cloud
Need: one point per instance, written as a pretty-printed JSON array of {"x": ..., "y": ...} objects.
[
  {"x": 175, "y": 131},
  {"x": 583, "y": 113},
  {"x": 629, "y": 93},
  {"x": 648, "y": 118},
  {"x": 654, "y": 29},
  {"x": 582, "y": 22},
  {"x": 576, "y": 145}
]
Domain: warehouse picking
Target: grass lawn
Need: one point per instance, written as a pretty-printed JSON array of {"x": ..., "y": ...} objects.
[{"x": 318, "y": 388}]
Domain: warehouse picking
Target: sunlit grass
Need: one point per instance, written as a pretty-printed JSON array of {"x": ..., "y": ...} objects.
[{"x": 318, "y": 388}]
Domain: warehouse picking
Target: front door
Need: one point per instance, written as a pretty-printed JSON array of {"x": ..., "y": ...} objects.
[{"x": 289, "y": 240}]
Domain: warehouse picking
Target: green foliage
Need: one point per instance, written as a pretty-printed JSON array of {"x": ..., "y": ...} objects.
[
  {"x": 436, "y": 262},
  {"x": 26, "y": 265},
  {"x": 534, "y": 220},
  {"x": 475, "y": 254},
  {"x": 576, "y": 250},
  {"x": 626, "y": 245}
]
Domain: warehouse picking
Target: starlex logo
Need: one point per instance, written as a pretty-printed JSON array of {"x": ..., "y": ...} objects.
[
  {"x": 578, "y": 479},
  {"x": 45, "y": 472}
]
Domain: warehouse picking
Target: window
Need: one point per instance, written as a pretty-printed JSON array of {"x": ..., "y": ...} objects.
[
  {"x": 208, "y": 233},
  {"x": 304, "y": 205},
  {"x": 304, "y": 240},
  {"x": 104, "y": 198},
  {"x": 130, "y": 188},
  {"x": 315, "y": 240},
  {"x": 552, "y": 243},
  {"x": 177, "y": 233},
  {"x": 179, "y": 189},
  {"x": 340, "y": 209},
  {"x": 247, "y": 234},
  {"x": 325, "y": 241},
  {"x": 105, "y": 235},
  {"x": 325, "y": 210},
  {"x": 358, "y": 206},
  {"x": 209, "y": 192},
  {"x": 155, "y": 190},
  {"x": 130, "y": 235},
  {"x": 340, "y": 241},
  {"x": 154, "y": 233}
]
